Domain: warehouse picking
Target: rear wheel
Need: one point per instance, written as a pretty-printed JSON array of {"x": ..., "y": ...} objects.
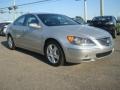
[
  {"x": 10, "y": 42},
  {"x": 54, "y": 53}
]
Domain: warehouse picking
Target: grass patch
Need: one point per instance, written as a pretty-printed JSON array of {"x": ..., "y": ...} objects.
[{"x": 118, "y": 27}]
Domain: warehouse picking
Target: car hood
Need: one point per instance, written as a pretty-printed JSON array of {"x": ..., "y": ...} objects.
[{"x": 79, "y": 30}]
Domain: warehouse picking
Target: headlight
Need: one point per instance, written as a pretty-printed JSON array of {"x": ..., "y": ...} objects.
[{"x": 80, "y": 41}]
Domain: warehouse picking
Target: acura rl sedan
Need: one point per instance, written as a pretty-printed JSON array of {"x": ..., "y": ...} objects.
[{"x": 59, "y": 38}]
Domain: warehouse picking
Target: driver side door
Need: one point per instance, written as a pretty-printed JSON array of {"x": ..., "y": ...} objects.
[{"x": 32, "y": 36}]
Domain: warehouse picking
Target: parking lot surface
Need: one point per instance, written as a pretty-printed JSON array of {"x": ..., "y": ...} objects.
[{"x": 25, "y": 70}]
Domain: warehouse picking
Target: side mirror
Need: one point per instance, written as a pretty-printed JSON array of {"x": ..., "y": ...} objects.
[{"x": 34, "y": 25}]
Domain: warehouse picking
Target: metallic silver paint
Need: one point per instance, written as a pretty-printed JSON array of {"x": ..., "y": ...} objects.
[{"x": 34, "y": 39}]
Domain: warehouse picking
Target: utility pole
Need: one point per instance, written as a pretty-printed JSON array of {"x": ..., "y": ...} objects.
[
  {"x": 14, "y": 8},
  {"x": 85, "y": 10},
  {"x": 101, "y": 8}
]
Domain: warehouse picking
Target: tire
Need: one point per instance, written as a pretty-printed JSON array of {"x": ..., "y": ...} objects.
[
  {"x": 1, "y": 33},
  {"x": 54, "y": 53},
  {"x": 114, "y": 34},
  {"x": 10, "y": 42}
]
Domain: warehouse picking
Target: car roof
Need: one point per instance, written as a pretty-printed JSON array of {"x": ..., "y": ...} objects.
[
  {"x": 42, "y": 13},
  {"x": 102, "y": 16}
]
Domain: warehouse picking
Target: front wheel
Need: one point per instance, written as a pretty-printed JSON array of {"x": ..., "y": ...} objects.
[
  {"x": 54, "y": 53},
  {"x": 1, "y": 32},
  {"x": 10, "y": 42},
  {"x": 114, "y": 34}
]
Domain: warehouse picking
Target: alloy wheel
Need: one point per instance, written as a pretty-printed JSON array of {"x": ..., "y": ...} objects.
[{"x": 53, "y": 54}]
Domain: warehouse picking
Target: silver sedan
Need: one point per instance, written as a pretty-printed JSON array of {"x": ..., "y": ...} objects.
[{"x": 59, "y": 38}]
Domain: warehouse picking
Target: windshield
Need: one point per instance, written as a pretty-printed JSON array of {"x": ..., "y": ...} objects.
[
  {"x": 102, "y": 18},
  {"x": 56, "y": 20}
]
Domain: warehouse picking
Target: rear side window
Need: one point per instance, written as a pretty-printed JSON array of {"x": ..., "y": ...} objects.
[{"x": 20, "y": 21}]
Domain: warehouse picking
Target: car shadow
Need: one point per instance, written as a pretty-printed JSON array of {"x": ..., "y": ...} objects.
[{"x": 35, "y": 55}]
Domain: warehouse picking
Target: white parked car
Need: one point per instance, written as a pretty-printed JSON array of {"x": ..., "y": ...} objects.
[{"x": 3, "y": 27}]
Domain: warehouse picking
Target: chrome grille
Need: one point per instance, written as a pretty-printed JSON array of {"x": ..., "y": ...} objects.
[{"x": 105, "y": 41}]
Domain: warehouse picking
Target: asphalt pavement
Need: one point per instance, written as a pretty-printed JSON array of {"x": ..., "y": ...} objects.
[{"x": 25, "y": 70}]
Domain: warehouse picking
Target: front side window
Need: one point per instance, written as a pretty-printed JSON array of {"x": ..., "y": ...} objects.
[
  {"x": 20, "y": 21},
  {"x": 31, "y": 19},
  {"x": 56, "y": 20}
]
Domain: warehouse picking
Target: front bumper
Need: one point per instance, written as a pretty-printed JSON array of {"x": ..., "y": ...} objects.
[{"x": 77, "y": 55}]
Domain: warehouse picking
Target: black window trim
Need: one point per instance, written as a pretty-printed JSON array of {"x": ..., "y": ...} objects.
[{"x": 19, "y": 19}]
